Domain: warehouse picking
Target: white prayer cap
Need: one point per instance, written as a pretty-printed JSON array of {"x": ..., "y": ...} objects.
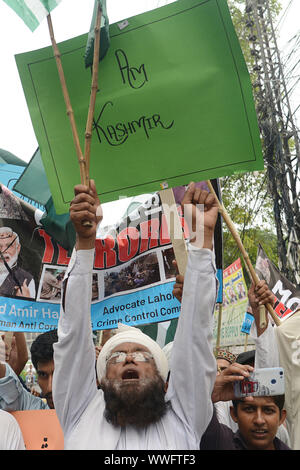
[
  {"x": 122, "y": 327},
  {"x": 132, "y": 335}
]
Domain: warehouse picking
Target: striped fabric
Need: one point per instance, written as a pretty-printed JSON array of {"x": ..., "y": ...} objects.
[{"x": 32, "y": 12}]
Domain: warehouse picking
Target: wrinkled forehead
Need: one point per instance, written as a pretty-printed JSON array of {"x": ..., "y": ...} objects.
[{"x": 129, "y": 347}]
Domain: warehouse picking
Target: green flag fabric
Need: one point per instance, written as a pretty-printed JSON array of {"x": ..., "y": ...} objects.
[
  {"x": 33, "y": 182},
  {"x": 59, "y": 226},
  {"x": 104, "y": 35},
  {"x": 32, "y": 12},
  {"x": 174, "y": 104},
  {"x": 10, "y": 158}
]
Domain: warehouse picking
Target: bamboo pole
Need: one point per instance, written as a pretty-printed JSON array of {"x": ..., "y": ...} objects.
[
  {"x": 70, "y": 112},
  {"x": 84, "y": 160},
  {"x": 262, "y": 308},
  {"x": 245, "y": 255},
  {"x": 94, "y": 89}
]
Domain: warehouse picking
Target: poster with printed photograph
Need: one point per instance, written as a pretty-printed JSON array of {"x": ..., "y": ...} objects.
[{"x": 133, "y": 274}]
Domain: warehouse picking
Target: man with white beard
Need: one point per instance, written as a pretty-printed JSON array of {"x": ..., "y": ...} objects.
[
  {"x": 135, "y": 408},
  {"x": 14, "y": 281}
]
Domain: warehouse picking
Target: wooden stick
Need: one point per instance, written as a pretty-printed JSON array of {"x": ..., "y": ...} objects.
[
  {"x": 245, "y": 255},
  {"x": 175, "y": 229},
  {"x": 94, "y": 89},
  {"x": 262, "y": 308},
  {"x": 262, "y": 317},
  {"x": 70, "y": 113}
]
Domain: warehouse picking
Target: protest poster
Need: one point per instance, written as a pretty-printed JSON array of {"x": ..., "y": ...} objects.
[
  {"x": 235, "y": 302},
  {"x": 133, "y": 275},
  {"x": 174, "y": 104},
  {"x": 287, "y": 296},
  {"x": 10, "y": 175},
  {"x": 247, "y": 323},
  {"x": 41, "y": 429}
]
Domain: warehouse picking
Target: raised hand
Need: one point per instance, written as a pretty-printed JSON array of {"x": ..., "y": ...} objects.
[
  {"x": 224, "y": 384},
  {"x": 25, "y": 290},
  {"x": 260, "y": 294},
  {"x": 85, "y": 207},
  {"x": 200, "y": 210}
]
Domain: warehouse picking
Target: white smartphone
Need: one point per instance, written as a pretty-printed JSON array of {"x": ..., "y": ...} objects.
[{"x": 261, "y": 382}]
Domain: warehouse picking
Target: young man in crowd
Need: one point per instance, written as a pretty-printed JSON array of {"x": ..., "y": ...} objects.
[
  {"x": 132, "y": 410},
  {"x": 279, "y": 346},
  {"x": 257, "y": 418},
  {"x": 13, "y": 396}
]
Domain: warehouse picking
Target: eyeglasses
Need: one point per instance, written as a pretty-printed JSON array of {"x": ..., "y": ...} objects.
[{"x": 139, "y": 356}]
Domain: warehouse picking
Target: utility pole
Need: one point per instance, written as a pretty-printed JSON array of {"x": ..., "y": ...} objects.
[{"x": 279, "y": 133}]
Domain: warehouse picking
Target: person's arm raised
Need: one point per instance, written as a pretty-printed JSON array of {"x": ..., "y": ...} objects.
[
  {"x": 200, "y": 210},
  {"x": 193, "y": 365},
  {"x": 85, "y": 207},
  {"x": 74, "y": 381},
  {"x": 19, "y": 353},
  {"x": 260, "y": 295},
  {"x": 266, "y": 354},
  {"x": 224, "y": 384}
]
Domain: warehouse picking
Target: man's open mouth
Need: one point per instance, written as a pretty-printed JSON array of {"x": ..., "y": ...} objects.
[
  {"x": 130, "y": 374},
  {"x": 260, "y": 432}
]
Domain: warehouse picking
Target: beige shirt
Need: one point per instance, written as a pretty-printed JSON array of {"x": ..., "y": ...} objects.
[{"x": 288, "y": 340}]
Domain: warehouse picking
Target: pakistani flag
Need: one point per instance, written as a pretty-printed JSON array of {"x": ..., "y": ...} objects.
[
  {"x": 32, "y": 12},
  {"x": 104, "y": 34}
]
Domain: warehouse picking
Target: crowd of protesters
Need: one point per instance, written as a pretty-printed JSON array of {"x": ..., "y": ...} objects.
[{"x": 130, "y": 394}]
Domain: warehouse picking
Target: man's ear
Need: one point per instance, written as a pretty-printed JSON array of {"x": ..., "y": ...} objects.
[
  {"x": 282, "y": 417},
  {"x": 233, "y": 414}
]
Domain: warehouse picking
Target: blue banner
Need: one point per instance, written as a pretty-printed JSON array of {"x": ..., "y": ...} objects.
[
  {"x": 247, "y": 322},
  {"x": 133, "y": 273},
  {"x": 9, "y": 176},
  {"x": 151, "y": 305}
]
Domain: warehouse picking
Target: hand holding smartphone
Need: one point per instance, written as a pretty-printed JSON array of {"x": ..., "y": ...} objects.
[{"x": 261, "y": 382}]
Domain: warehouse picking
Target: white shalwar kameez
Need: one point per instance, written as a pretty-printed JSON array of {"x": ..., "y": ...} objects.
[{"x": 80, "y": 405}]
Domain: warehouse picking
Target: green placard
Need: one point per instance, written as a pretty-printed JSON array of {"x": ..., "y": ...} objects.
[{"x": 174, "y": 104}]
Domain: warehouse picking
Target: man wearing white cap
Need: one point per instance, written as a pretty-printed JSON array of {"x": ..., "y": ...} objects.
[{"x": 133, "y": 409}]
